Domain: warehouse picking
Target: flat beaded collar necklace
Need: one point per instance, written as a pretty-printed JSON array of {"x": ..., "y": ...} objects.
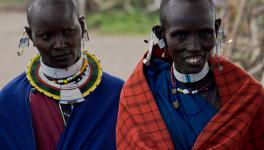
[
  {"x": 67, "y": 86},
  {"x": 200, "y": 75},
  {"x": 190, "y": 78}
]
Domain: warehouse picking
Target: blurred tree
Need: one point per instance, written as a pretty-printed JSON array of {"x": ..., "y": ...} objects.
[
  {"x": 126, "y": 5},
  {"x": 243, "y": 22}
]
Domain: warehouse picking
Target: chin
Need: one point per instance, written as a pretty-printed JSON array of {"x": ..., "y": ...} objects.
[
  {"x": 193, "y": 69},
  {"x": 63, "y": 64}
]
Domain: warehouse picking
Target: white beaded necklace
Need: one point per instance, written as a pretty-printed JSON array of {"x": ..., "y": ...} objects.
[
  {"x": 190, "y": 78},
  {"x": 58, "y": 73}
]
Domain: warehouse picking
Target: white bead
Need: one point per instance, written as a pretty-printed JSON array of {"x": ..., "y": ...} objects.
[
  {"x": 194, "y": 92},
  {"x": 185, "y": 91}
]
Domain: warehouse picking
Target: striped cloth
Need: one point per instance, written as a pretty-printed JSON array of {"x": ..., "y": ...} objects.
[{"x": 238, "y": 125}]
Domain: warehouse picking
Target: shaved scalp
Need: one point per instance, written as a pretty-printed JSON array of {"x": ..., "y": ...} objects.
[
  {"x": 165, "y": 3},
  {"x": 36, "y": 5}
]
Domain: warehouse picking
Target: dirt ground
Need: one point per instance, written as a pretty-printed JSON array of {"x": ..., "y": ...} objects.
[{"x": 118, "y": 54}]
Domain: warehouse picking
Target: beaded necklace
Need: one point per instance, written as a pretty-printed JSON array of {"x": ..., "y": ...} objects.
[
  {"x": 67, "y": 90},
  {"x": 176, "y": 89},
  {"x": 75, "y": 77},
  {"x": 189, "y": 78}
]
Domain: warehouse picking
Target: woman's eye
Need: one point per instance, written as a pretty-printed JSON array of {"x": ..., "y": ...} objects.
[
  {"x": 68, "y": 32},
  {"x": 44, "y": 36},
  {"x": 206, "y": 35},
  {"x": 181, "y": 36}
]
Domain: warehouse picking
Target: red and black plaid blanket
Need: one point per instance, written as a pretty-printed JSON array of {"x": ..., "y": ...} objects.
[{"x": 239, "y": 124}]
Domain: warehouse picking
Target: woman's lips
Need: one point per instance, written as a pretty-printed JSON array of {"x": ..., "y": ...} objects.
[
  {"x": 61, "y": 57},
  {"x": 194, "y": 60}
]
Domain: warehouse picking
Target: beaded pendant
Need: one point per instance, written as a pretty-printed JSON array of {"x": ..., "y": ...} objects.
[{"x": 64, "y": 92}]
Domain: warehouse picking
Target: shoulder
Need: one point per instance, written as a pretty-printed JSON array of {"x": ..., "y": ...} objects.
[
  {"x": 231, "y": 70},
  {"x": 111, "y": 80},
  {"x": 109, "y": 85},
  {"x": 16, "y": 87},
  {"x": 232, "y": 80}
]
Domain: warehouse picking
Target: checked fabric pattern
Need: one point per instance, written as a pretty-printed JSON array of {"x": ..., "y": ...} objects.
[{"x": 239, "y": 124}]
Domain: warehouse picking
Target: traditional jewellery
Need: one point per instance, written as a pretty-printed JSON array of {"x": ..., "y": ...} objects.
[
  {"x": 23, "y": 43},
  {"x": 190, "y": 78},
  {"x": 57, "y": 73},
  {"x": 176, "y": 89},
  {"x": 75, "y": 77},
  {"x": 152, "y": 41},
  {"x": 71, "y": 89},
  {"x": 65, "y": 115}
]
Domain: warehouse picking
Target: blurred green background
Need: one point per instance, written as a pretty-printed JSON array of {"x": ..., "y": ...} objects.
[{"x": 243, "y": 23}]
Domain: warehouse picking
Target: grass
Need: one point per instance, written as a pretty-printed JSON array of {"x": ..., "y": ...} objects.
[{"x": 119, "y": 22}]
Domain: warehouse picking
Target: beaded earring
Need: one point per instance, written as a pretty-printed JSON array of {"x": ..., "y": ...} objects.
[
  {"x": 23, "y": 43},
  {"x": 220, "y": 42},
  {"x": 155, "y": 38},
  {"x": 151, "y": 43},
  {"x": 85, "y": 35}
]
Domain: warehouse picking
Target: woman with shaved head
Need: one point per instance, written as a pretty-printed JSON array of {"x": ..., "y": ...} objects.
[
  {"x": 64, "y": 100},
  {"x": 183, "y": 95}
]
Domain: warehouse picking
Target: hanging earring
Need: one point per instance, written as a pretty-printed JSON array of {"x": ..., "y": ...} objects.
[
  {"x": 155, "y": 38},
  {"x": 23, "y": 43},
  {"x": 220, "y": 41},
  {"x": 151, "y": 43},
  {"x": 85, "y": 36},
  {"x": 157, "y": 30}
]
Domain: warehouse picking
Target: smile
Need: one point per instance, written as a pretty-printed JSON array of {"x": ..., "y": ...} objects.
[{"x": 194, "y": 60}]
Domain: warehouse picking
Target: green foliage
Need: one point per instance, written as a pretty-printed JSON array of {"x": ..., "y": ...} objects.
[
  {"x": 12, "y": 1},
  {"x": 120, "y": 22}
]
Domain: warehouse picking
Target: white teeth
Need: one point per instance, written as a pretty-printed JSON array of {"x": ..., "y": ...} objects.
[{"x": 193, "y": 59}]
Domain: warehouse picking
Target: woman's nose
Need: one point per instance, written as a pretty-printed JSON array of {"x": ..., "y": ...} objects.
[
  {"x": 59, "y": 42},
  {"x": 193, "y": 43}
]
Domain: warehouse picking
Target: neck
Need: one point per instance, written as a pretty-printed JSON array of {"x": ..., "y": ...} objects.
[
  {"x": 198, "y": 80},
  {"x": 191, "y": 78},
  {"x": 58, "y": 73}
]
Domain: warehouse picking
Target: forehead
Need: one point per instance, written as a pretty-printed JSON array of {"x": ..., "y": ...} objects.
[
  {"x": 53, "y": 15},
  {"x": 189, "y": 13}
]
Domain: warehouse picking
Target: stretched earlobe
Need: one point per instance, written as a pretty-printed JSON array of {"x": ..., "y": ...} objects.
[
  {"x": 158, "y": 31},
  {"x": 218, "y": 22},
  {"x": 83, "y": 26},
  {"x": 24, "y": 41},
  {"x": 29, "y": 32}
]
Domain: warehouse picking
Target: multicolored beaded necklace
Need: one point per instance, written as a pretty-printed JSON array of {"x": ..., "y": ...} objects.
[
  {"x": 67, "y": 90},
  {"x": 73, "y": 78},
  {"x": 176, "y": 89}
]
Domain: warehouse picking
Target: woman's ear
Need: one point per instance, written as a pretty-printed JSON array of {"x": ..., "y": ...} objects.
[
  {"x": 29, "y": 32},
  {"x": 218, "y": 22},
  {"x": 157, "y": 30},
  {"x": 83, "y": 25}
]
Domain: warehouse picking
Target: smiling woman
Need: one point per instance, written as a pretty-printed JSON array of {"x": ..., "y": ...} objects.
[
  {"x": 182, "y": 95},
  {"x": 64, "y": 96}
]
